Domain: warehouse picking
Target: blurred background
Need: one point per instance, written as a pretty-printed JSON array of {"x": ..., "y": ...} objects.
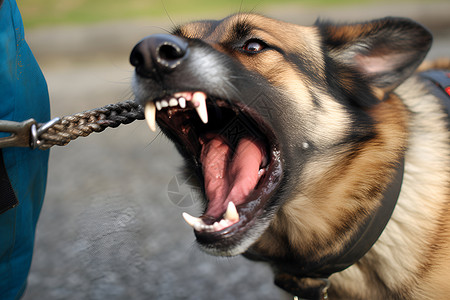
[{"x": 111, "y": 227}]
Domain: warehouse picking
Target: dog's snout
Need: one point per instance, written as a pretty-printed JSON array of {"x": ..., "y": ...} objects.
[{"x": 159, "y": 52}]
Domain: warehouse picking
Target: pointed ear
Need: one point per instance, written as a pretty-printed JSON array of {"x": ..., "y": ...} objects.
[{"x": 385, "y": 51}]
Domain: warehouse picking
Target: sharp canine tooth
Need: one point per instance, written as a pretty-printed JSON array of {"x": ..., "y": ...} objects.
[
  {"x": 150, "y": 115},
  {"x": 182, "y": 102},
  {"x": 194, "y": 222},
  {"x": 231, "y": 214},
  {"x": 199, "y": 100},
  {"x": 158, "y": 105},
  {"x": 173, "y": 102}
]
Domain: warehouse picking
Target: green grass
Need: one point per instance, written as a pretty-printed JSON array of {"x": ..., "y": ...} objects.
[{"x": 55, "y": 12}]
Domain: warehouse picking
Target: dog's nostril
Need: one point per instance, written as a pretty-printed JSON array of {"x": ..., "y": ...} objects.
[
  {"x": 170, "y": 52},
  {"x": 136, "y": 57},
  {"x": 141, "y": 58}
]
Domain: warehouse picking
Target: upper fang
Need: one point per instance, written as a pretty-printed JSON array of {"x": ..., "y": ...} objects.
[
  {"x": 199, "y": 101},
  {"x": 150, "y": 115}
]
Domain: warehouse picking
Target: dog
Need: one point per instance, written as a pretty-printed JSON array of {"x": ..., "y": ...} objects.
[{"x": 320, "y": 149}]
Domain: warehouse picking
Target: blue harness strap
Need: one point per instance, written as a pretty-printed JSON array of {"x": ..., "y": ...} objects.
[
  {"x": 23, "y": 95},
  {"x": 441, "y": 85}
]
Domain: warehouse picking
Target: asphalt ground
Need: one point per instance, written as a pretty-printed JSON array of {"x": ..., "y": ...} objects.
[{"x": 110, "y": 227}]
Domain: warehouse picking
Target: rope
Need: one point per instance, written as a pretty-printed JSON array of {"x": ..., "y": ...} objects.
[{"x": 95, "y": 120}]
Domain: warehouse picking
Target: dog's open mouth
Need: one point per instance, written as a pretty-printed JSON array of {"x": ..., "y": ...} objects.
[{"x": 235, "y": 153}]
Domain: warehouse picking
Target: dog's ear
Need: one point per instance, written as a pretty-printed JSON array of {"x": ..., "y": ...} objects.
[{"x": 385, "y": 51}]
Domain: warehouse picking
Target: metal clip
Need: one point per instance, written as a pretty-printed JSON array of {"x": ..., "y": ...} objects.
[
  {"x": 323, "y": 294},
  {"x": 325, "y": 289},
  {"x": 36, "y": 133},
  {"x": 24, "y": 134}
]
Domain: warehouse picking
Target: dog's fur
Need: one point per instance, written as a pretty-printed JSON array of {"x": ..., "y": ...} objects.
[{"x": 349, "y": 108}]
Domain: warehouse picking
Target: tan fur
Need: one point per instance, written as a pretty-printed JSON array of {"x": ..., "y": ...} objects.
[
  {"x": 411, "y": 259},
  {"x": 328, "y": 209},
  {"x": 416, "y": 242}
]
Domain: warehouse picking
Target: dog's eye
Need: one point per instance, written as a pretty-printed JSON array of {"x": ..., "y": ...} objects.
[{"x": 254, "y": 46}]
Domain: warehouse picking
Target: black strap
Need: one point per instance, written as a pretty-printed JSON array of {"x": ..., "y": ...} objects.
[
  {"x": 8, "y": 198},
  {"x": 372, "y": 229},
  {"x": 291, "y": 274}
]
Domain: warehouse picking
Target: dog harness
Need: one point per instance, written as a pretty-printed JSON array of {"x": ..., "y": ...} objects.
[{"x": 440, "y": 86}]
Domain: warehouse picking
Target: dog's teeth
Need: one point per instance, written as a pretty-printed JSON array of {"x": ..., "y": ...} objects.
[
  {"x": 158, "y": 105},
  {"x": 173, "y": 102},
  {"x": 199, "y": 101},
  {"x": 216, "y": 226},
  {"x": 231, "y": 214},
  {"x": 230, "y": 217},
  {"x": 150, "y": 115},
  {"x": 191, "y": 220},
  {"x": 208, "y": 228},
  {"x": 164, "y": 103},
  {"x": 225, "y": 223},
  {"x": 182, "y": 102},
  {"x": 194, "y": 222}
]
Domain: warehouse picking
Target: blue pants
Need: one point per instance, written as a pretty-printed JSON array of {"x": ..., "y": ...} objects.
[{"x": 23, "y": 95}]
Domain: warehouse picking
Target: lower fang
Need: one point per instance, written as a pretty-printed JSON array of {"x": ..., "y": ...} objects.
[
  {"x": 231, "y": 214},
  {"x": 192, "y": 221}
]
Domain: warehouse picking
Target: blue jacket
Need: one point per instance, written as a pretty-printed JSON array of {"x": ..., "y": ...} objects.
[{"x": 23, "y": 95}]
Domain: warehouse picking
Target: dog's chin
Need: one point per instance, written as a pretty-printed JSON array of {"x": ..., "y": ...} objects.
[
  {"x": 235, "y": 154},
  {"x": 242, "y": 241}
]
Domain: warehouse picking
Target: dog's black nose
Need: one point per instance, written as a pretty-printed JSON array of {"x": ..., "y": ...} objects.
[{"x": 159, "y": 52}]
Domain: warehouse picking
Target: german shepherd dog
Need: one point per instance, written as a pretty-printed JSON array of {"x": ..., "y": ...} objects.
[{"x": 320, "y": 150}]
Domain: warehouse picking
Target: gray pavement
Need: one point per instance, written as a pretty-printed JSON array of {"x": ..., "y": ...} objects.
[{"x": 108, "y": 229}]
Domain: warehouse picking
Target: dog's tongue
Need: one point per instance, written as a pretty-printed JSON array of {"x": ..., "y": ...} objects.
[{"x": 229, "y": 175}]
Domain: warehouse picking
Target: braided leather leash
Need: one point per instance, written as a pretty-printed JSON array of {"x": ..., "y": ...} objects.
[
  {"x": 61, "y": 131},
  {"x": 83, "y": 124}
]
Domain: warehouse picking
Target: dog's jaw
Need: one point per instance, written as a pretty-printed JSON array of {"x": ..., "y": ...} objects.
[{"x": 239, "y": 175}]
